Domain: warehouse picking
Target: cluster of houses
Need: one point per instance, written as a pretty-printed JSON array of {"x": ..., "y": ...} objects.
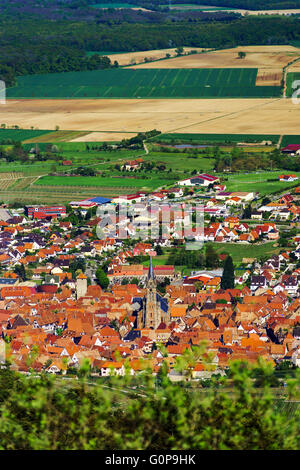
[{"x": 53, "y": 316}]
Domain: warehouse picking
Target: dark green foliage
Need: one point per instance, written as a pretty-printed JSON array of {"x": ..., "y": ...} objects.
[
  {"x": 227, "y": 280},
  {"x": 48, "y": 413},
  {"x": 102, "y": 278},
  {"x": 211, "y": 257}
]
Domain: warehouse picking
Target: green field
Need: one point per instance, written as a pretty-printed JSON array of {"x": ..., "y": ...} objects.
[
  {"x": 19, "y": 135},
  {"x": 257, "y": 182},
  {"x": 74, "y": 151},
  {"x": 290, "y": 139},
  {"x": 181, "y": 161},
  {"x": 240, "y": 251},
  {"x": 144, "y": 83},
  {"x": 215, "y": 138},
  {"x": 99, "y": 181},
  {"x": 290, "y": 90}
]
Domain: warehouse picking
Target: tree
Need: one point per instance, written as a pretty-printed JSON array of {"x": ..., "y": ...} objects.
[
  {"x": 241, "y": 55},
  {"x": 179, "y": 50},
  {"x": 227, "y": 280},
  {"x": 102, "y": 278},
  {"x": 159, "y": 250},
  {"x": 211, "y": 257},
  {"x": 20, "y": 271}
]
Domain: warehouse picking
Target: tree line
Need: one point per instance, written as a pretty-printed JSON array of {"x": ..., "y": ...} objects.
[{"x": 62, "y": 44}]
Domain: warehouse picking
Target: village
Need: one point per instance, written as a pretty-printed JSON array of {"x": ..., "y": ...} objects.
[{"x": 58, "y": 307}]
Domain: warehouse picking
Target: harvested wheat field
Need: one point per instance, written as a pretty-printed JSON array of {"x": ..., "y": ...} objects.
[
  {"x": 255, "y": 116},
  {"x": 104, "y": 137},
  {"x": 256, "y": 57},
  {"x": 269, "y": 77},
  {"x": 138, "y": 57},
  {"x": 213, "y": 8},
  {"x": 269, "y": 60}
]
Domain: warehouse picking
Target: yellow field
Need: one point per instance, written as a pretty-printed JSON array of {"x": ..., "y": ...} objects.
[
  {"x": 104, "y": 137},
  {"x": 256, "y": 116},
  {"x": 128, "y": 58},
  {"x": 210, "y": 8},
  {"x": 269, "y": 60}
]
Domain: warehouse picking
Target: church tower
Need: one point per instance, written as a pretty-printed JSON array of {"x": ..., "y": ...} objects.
[
  {"x": 152, "y": 314},
  {"x": 81, "y": 286}
]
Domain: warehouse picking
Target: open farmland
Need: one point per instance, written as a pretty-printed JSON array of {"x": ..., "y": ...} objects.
[
  {"x": 216, "y": 138},
  {"x": 293, "y": 82},
  {"x": 138, "y": 57},
  {"x": 211, "y": 8},
  {"x": 218, "y": 116},
  {"x": 240, "y": 251},
  {"x": 128, "y": 183},
  {"x": 269, "y": 60},
  {"x": 262, "y": 182},
  {"x": 145, "y": 83},
  {"x": 19, "y": 135}
]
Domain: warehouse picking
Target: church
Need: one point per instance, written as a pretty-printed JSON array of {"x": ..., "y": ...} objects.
[{"x": 155, "y": 308}]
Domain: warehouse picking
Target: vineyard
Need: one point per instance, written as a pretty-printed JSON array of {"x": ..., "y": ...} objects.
[
  {"x": 145, "y": 83},
  {"x": 7, "y": 179},
  {"x": 61, "y": 195}
]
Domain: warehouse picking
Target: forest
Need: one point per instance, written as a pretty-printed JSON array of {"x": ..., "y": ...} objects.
[{"x": 62, "y": 45}]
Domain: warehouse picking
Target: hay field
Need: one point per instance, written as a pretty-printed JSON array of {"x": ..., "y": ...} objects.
[
  {"x": 229, "y": 116},
  {"x": 104, "y": 137},
  {"x": 212, "y": 8},
  {"x": 127, "y": 58},
  {"x": 269, "y": 60}
]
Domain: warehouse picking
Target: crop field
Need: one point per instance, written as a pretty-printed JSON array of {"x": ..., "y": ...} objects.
[
  {"x": 216, "y": 138},
  {"x": 76, "y": 152},
  {"x": 180, "y": 162},
  {"x": 290, "y": 139},
  {"x": 57, "y": 136},
  {"x": 19, "y": 135},
  {"x": 293, "y": 78},
  {"x": 146, "y": 83},
  {"x": 239, "y": 251},
  {"x": 192, "y": 116},
  {"x": 269, "y": 60},
  {"x": 7, "y": 179},
  {"x": 129, "y": 183},
  {"x": 138, "y": 57},
  {"x": 192, "y": 6},
  {"x": 258, "y": 182}
]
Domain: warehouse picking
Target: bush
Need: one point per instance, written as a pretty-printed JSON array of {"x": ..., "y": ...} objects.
[{"x": 159, "y": 415}]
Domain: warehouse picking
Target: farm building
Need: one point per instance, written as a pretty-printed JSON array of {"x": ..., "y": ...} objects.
[
  {"x": 128, "y": 198},
  {"x": 88, "y": 203},
  {"x": 199, "y": 180},
  {"x": 242, "y": 195},
  {"x": 45, "y": 211},
  {"x": 287, "y": 178},
  {"x": 292, "y": 149},
  {"x": 132, "y": 164}
]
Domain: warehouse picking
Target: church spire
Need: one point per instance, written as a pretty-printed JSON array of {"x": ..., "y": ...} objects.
[{"x": 150, "y": 271}]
